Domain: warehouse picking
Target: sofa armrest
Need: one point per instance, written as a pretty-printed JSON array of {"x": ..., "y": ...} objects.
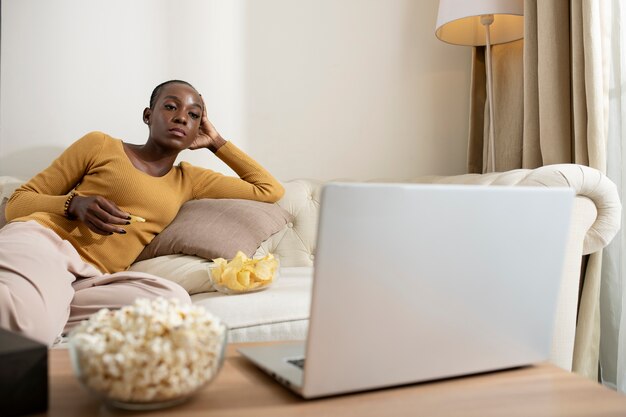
[{"x": 8, "y": 185}]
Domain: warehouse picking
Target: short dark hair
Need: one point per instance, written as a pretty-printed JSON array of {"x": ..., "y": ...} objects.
[{"x": 158, "y": 88}]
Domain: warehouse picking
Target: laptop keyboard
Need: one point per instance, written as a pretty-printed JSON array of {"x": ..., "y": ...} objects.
[{"x": 297, "y": 362}]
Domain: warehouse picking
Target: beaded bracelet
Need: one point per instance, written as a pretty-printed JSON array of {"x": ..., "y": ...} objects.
[{"x": 66, "y": 206}]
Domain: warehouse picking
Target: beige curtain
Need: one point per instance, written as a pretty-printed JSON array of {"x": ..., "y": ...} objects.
[{"x": 551, "y": 95}]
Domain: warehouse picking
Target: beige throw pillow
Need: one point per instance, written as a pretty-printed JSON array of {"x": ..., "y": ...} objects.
[{"x": 218, "y": 228}]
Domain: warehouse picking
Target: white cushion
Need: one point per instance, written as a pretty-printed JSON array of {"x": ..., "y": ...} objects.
[{"x": 190, "y": 272}]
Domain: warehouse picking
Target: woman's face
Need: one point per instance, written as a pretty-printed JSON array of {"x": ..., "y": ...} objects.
[{"x": 175, "y": 117}]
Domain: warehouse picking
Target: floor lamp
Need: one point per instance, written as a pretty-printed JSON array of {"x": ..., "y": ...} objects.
[{"x": 478, "y": 23}]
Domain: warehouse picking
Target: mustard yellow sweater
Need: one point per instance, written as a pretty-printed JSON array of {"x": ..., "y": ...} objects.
[{"x": 98, "y": 162}]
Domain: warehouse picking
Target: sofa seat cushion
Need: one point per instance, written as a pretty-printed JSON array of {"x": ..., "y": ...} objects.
[{"x": 277, "y": 313}]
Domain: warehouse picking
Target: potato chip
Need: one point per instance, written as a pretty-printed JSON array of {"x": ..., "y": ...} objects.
[
  {"x": 229, "y": 279},
  {"x": 137, "y": 219},
  {"x": 218, "y": 269},
  {"x": 243, "y": 277},
  {"x": 264, "y": 270}
]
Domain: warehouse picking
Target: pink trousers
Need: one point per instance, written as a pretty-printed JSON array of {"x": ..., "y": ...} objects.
[{"x": 46, "y": 288}]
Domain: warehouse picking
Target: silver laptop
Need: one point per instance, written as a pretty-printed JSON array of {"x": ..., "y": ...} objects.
[{"x": 420, "y": 282}]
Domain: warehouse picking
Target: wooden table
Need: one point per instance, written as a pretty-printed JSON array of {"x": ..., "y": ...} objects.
[{"x": 242, "y": 390}]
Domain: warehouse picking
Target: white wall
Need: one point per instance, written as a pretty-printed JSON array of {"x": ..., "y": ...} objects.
[{"x": 310, "y": 88}]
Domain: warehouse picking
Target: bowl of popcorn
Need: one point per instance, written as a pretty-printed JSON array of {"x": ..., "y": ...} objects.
[
  {"x": 152, "y": 354},
  {"x": 242, "y": 274}
]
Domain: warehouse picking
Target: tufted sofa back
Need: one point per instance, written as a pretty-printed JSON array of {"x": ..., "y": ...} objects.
[{"x": 295, "y": 244}]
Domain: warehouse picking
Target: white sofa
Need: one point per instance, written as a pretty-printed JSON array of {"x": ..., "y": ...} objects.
[{"x": 281, "y": 312}]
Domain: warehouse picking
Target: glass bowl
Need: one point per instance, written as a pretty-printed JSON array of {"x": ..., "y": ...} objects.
[
  {"x": 223, "y": 288},
  {"x": 162, "y": 360}
]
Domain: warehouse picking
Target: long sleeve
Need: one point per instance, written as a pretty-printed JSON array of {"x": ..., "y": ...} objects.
[
  {"x": 255, "y": 182},
  {"x": 47, "y": 191}
]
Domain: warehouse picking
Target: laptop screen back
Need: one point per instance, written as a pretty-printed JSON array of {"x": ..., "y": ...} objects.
[{"x": 419, "y": 282}]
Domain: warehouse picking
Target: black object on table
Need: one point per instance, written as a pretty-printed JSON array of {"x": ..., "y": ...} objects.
[{"x": 23, "y": 375}]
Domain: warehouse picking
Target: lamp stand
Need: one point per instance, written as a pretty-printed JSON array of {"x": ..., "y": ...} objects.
[{"x": 487, "y": 20}]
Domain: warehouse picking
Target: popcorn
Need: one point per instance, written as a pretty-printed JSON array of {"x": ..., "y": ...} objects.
[{"x": 152, "y": 351}]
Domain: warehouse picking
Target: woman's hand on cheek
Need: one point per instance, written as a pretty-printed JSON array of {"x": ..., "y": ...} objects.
[
  {"x": 208, "y": 137},
  {"x": 101, "y": 215},
  {"x": 206, "y": 133}
]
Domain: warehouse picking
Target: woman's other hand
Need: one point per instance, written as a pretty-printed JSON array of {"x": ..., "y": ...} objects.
[
  {"x": 99, "y": 214},
  {"x": 208, "y": 137}
]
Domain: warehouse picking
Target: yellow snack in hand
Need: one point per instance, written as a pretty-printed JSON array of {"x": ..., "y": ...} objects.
[
  {"x": 243, "y": 273},
  {"x": 137, "y": 219}
]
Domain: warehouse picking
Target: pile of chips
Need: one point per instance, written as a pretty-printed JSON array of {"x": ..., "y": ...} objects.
[{"x": 243, "y": 274}]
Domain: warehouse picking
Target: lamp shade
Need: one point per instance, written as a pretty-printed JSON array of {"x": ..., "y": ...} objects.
[{"x": 458, "y": 21}]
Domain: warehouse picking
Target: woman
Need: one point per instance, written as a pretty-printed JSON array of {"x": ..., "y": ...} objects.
[{"x": 70, "y": 239}]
